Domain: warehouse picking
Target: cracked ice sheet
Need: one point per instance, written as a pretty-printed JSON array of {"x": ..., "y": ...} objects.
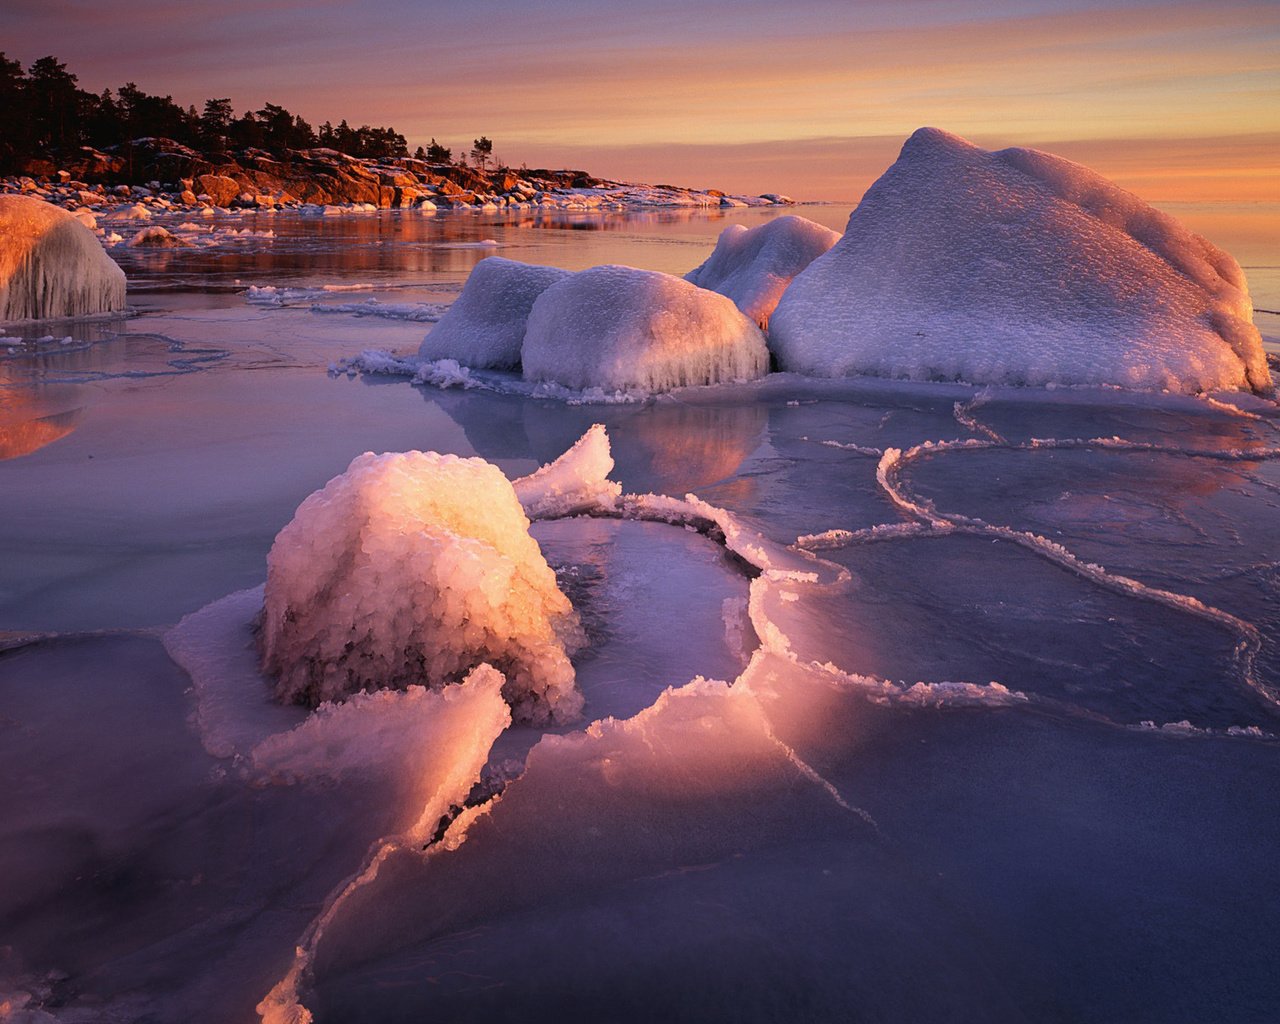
[
  {"x": 163, "y": 884},
  {"x": 660, "y": 878},
  {"x": 995, "y": 611},
  {"x": 683, "y": 845},
  {"x": 1197, "y": 526},
  {"x": 1141, "y": 862}
]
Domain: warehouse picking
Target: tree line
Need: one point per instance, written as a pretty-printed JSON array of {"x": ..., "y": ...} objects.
[{"x": 44, "y": 112}]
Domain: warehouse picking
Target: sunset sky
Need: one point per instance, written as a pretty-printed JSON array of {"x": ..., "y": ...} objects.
[{"x": 1175, "y": 101}]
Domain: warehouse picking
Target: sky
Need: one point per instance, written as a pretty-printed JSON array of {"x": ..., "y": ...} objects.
[{"x": 1177, "y": 101}]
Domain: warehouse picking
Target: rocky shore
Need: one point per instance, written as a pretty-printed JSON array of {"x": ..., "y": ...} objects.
[{"x": 165, "y": 175}]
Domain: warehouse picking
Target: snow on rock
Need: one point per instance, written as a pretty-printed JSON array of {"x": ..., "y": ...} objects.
[
  {"x": 156, "y": 238},
  {"x": 485, "y": 325},
  {"x": 578, "y": 480},
  {"x": 51, "y": 265},
  {"x": 414, "y": 568},
  {"x": 623, "y": 329},
  {"x": 1017, "y": 267},
  {"x": 135, "y": 212},
  {"x": 753, "y": 266}
]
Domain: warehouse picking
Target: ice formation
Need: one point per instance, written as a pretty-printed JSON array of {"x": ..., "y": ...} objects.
[
  {"x": 485, "y": 326},
  {"x": 576, "y": 481},
  {"x": 414, "y": 568},
  {"x": 620, "y": 329},
  {"x": 51, "y": 265},
  {"x": 1018, "y": 267},
  {"x": 753, "y": 266}
]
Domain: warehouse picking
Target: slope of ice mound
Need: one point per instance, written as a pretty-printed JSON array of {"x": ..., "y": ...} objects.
[
  {"x": 753, "y": 266},
  {"x": 51, "y": 265},
  {"x": 623, "y": 329},
  {"x": 576, "y": 481},
  {"x": 1023, "y": 268},
  {"x": 414, "y": 568},
  {"x": 485, "y": 325}
]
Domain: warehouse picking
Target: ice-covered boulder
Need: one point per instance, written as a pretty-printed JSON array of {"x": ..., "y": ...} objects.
[
  {"x": 51, "y": 265},
  {"x": 485, "y": 325},
  {"x": 620, "y": 329},
  {"x": 1018, "y": 267},
  {"x": 414, "y": 568},
  {"x": 753, "y": 266}
]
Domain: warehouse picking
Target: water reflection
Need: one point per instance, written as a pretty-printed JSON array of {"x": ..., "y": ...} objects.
[
  {"x": 396, "y": 243},
  {"x": 29, "y": 420},
  {"x": 663, "y": 446}
]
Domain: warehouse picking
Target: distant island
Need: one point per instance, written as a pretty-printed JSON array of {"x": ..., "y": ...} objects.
[{"x": 78, "y": 148}]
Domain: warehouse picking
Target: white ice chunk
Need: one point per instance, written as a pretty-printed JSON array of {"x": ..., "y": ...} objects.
[
  {"x": 1018, "y": 267},
  {"x": 753, "y": 266},
  {"x": 485, "y": 325},
  {"x": 51, "y": 265},
  {"x": 575, "y": 482},
  {"x": 412, "y": 569},
  {"x": 623, "y": 329}
]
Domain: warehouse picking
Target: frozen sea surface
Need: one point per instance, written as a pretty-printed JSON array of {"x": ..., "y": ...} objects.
[{"x": 933, "y": 704}]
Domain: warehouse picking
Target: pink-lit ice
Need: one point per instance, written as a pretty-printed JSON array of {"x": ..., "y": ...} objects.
[
  {"x": 412, "y": 569},
  {"x": 576, "y": 481},
  {"x": 485, "y": 326},
  {"x": 753, "y": 266},
  {"x": 1018, "y": 267},
  {"x": 51, "y": 265},
  {"x": 621, "y": 329}
]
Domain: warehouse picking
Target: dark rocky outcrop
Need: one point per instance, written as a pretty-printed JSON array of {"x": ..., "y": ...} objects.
[{"x": 167, "y": 170}]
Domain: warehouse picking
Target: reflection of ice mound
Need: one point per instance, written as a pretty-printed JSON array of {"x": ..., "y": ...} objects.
[
  {"x": 51, "y": 265},
  {"x": 413, "y": 569},
  {"x": 485, "y": 325},
  {"x": 576, "y": 481},
  {"x": 753, "y": 266},
  {"x": 1017, "y": 267},
  {"x": 621, "y": 329}
]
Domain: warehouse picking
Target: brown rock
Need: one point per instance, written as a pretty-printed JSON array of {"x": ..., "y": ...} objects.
[{"x": 221, "y": 189}]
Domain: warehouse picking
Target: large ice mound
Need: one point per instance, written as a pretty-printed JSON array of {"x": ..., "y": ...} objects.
[
  {"x": 622, "y": 329},
  {"x": 414, "y": 568},
  {"x": 485, "y": 325},
  {"x": 1018, "y": 267},
  {"x": 753, "y": 266},
  {"x": 51, "y": 265}
]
